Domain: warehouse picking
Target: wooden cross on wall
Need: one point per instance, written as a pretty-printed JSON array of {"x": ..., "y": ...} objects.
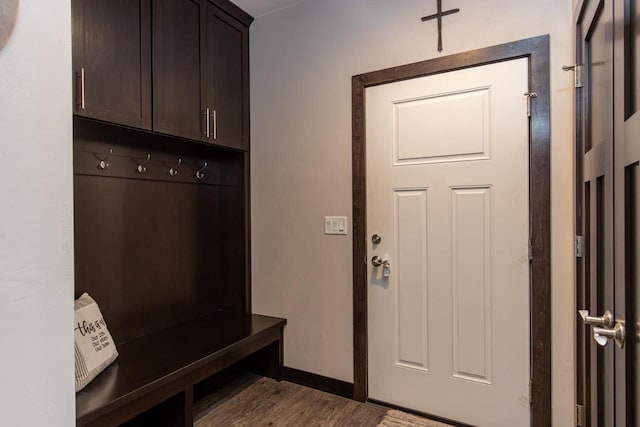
[{"x": 439, "y": 15}]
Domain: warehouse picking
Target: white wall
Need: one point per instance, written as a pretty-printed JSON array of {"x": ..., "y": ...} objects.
[
  {"x": 36, "y": 219},
  {"x": 302, "y": 60}
]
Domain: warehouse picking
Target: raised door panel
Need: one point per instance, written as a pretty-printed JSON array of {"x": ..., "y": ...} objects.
[
  {"x": 111, "y": 60},
  {"x": 225, "y": 73},
  {"x": 411, "y": 299},
  {"x": 178, "y": 77}
]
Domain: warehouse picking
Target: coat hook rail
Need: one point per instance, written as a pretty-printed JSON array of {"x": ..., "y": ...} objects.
[
  {"x": 150, "y": 165},
  {"x": 173, "y": 171},
  {"x": 200, "y": 172},
  {"x": 141, "y": 166},
  {"x": 104, "y": 165}
]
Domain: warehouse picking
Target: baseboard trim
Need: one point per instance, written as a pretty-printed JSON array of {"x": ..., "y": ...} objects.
[
  {"x": 319, "y": 382},
  {"x": 418, "y": 413}
]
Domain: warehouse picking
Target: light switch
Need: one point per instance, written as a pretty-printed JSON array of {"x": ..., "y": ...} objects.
[{"x": 335, "y": 225}]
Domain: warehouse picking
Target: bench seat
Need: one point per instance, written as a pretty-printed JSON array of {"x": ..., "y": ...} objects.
[{"x": 167, "y": 364}]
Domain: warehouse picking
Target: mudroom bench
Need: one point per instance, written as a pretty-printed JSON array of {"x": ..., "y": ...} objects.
[{"x": 152, "y": 381}]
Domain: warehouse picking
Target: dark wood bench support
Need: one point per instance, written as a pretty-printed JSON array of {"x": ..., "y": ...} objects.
[
  {"x": 176, "y": 411},
  {"x": 152, "y": 381},
  {"x": 188, "y": 407},
  {"x": 267, "y": 362}
]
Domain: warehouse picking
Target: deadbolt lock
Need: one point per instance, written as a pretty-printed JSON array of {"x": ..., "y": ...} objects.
[{"x": 376, "y": 239}]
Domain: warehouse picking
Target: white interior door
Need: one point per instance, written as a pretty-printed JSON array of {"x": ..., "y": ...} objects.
[{"x": 448, "y": 194}]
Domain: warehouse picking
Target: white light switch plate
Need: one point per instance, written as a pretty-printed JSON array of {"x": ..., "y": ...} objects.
[{"x": 335, "y": 225}]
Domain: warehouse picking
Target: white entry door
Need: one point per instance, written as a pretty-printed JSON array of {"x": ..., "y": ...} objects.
[{"x": 448, "y": 197}]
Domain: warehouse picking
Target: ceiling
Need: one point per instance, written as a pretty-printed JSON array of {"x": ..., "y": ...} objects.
[{"x": 257, "y": 8}]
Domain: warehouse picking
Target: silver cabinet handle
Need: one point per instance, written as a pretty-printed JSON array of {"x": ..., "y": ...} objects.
[
  {"x": 606, "y": 320},
  {"x": 603, "y": 335},
  {"x": 207, "y": 130},
  {"x": 81, "y": 103},
  {"x": 215, "y": 125}
]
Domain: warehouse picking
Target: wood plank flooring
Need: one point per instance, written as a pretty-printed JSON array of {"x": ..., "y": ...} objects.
[{"x": 250, "y": 400}]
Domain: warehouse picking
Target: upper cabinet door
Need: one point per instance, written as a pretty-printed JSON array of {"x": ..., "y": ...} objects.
[
  {"x": 178, "y": 72},
  {"x": 227, "y": 77},
  {"x": 111, "y": 60}
]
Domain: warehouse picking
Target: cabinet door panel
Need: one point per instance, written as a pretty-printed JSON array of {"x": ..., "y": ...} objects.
[
  {"x": 178, "y": 80},
  {"x": 112, "y": 44},
  {"x": 225, "y": 55}
]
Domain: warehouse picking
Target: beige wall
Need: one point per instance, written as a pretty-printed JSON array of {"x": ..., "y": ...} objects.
[
  {"x": 302, "y": 60},
  {"x": 36, "y": 219}
]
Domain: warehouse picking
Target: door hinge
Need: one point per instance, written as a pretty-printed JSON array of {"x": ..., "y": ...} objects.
[
  {"x": 579, "y": 246},
  {"x": 530, "y": 390},
  {"x": 530, "y": 247},
  {"x": 530, "y": 95},
  {"x": 578, "y": 75},
  {"x": 366, "y": 255},
  {"x": 579, "y": 415}
]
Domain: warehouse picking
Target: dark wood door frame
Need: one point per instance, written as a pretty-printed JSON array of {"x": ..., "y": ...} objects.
[
  {"x": 536, "y": 50},
  {"x": 582, "y": 395}
]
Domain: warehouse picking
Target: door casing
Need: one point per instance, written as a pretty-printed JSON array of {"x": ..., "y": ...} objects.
[{"x": 536, "y": 49}]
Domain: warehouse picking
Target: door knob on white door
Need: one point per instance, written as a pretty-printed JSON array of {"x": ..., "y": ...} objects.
[{"x": 376, "y": 261}]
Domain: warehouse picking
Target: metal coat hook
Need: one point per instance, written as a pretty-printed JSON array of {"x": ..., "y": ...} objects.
[
  {"x": 141, "y": 166},
  {"x": 174, "y": 169},
  {"x": 200, "y": 173},
  {"x": 104, "y": 165}
]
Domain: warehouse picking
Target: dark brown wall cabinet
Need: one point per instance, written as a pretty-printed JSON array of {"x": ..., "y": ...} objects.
[
  {"x": 111, "y": 60},
  {"x": 198, "y": 79},
  {"x": 200, "y": 68},
  {"x": 178, "y": 72},
  {"x": 162, "y": 204},
  {"x": 225, "y": 89}
]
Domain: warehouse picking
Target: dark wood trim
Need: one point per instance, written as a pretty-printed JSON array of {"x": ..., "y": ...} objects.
[
  {"x": 246, "y": 92},
  {"x": 581, "y": 296},
  {"x": 630, "y": 274},
  {"x": 540, "y": 228},
  {"x": 233, "y": 10},
  {"x": 359, "y": 164},
  {"x": 536, "y": 49},
  {"x": 630, "y": 84},
  {"x": 247, "y": 233},
  {"x": 319, "y": 382},
  {"x": 145, "y": 133},
  {"x": 246, "y": 141},
  {"x": 418, "y": 413}
]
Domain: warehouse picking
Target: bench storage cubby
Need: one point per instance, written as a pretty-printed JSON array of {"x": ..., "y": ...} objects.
[{"x": 155, "y": 374}]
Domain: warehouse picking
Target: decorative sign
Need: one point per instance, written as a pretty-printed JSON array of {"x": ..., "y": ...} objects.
[
  {"x": 439, "y": 16},
  {"x": 8, "y": 14},
  {"x": 94, "y": 347}
]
